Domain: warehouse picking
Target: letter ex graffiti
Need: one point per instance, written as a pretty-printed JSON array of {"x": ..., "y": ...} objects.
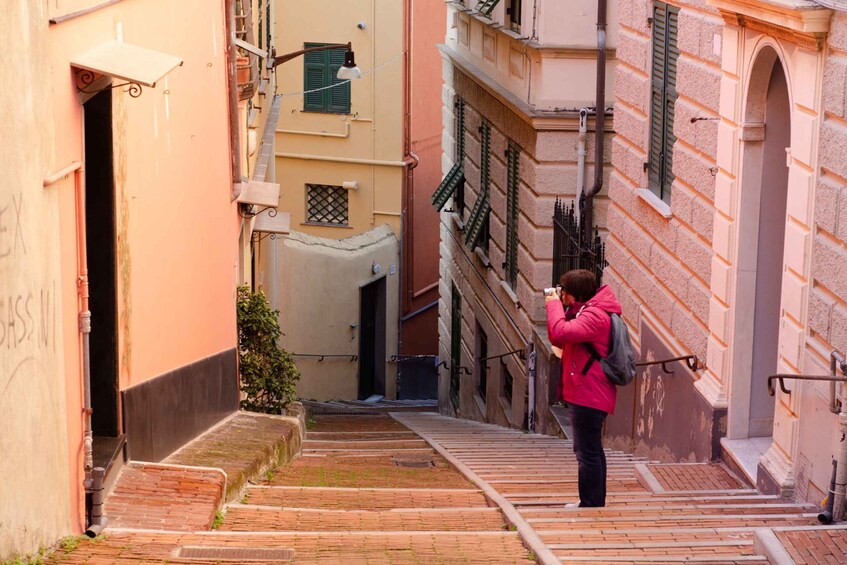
[{"x": 11, "y": 228}]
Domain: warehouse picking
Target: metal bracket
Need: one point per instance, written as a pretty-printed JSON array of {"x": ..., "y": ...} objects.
[
  {"x": 85, "y": 78},
  {"x": 461, "y": 369},
  {"x": 248, "y": 211},
  {"x": 321, "y": 357},
  {"x": 259, "y": 236},
  {"x": 521, "y": 353},
  {"x": 691, "y": 361}
]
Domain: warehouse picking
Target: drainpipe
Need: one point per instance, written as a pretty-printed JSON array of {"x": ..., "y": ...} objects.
[
  {"x": 580, "y": 154},
  {"x": 599, "y": 118},
  {"x": 531, "y": 364},
  {"x": 91, "y": 475},
  {"x": 234, "y": 129},
  {"x": 841, "y": 473}
]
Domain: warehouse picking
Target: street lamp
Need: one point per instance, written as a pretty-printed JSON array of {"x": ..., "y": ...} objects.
[{"x": 348, "y": 70}]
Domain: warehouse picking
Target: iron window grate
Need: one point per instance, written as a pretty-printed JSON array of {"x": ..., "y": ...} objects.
[{"x": 327, "y": 204}]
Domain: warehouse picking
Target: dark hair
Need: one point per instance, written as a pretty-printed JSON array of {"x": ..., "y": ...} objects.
[{"x": 580, "y": 284}]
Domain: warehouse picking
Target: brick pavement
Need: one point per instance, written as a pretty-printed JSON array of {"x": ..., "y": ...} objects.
[
  {"x": 815, "y": 547},
  {"x": 694, "y": 476},
  {"x": 165, "y": 497}
]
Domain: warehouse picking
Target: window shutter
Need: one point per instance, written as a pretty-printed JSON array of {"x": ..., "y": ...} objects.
[
  {"x": 657, "y": 98},
  {"x": 459, "y": 198},
  {"x": 314, "y": 71},
  {"x": 338, "y": 98},
  {"x": 512, "y": 210},
  {"x": 670, "y": 99}
]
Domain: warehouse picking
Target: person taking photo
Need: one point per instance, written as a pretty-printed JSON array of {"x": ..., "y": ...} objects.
[{"x": 578, "y": 322}]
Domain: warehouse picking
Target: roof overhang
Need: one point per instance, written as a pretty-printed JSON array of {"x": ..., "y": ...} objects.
[
  {"x": 801, "y": 21},
  {"x": 137, "y": 65}
]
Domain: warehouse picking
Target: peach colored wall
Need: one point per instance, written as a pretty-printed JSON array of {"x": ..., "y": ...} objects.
[
  {"x": 420, "y": 334},
  {"x": 177, "y": 229}
]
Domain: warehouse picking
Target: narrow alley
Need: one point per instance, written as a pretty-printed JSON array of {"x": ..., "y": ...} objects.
[{"x": 417, "y": 487}]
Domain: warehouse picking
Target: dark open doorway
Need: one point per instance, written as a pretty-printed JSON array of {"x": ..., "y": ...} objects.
[
  {"x": 372, "y": 340},
  {"x": 100, "y": 234}
]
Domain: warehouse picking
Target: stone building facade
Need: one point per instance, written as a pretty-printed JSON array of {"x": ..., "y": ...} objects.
[
  {"x": 515, "y": 81},
  {"x": 739, "y": 263}
]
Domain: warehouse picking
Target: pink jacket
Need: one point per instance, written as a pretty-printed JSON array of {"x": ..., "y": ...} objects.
[{"x": 590, "y": 323}]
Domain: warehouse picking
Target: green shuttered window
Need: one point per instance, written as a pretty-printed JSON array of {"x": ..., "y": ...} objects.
[
  {"x": 513, "y": 154},
  {"x": 454, "y": 183},
  {"x": 320, "y": 69},
  {"x": 455, "y": 344},
  {"x": 476, "y": 230},
  {"x": 486, "y": 6},
  {"x": 663, "y": 98}
]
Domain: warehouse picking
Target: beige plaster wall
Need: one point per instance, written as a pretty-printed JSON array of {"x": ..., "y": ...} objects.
[
  {"x": 34, "y": 476},
  {"x": 661, "y": 266},
  {"x": 366, "y": 145},
  {"x": 551, "y": 64},
  {"x": 319, "y": 304}
]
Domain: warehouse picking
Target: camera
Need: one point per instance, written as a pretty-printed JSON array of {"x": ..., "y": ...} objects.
[{"x": 557, "y": 290}]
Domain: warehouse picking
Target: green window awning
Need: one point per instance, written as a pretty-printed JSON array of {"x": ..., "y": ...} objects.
[{"x": 448, "y": 186}]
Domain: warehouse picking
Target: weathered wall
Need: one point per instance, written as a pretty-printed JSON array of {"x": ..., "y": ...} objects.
[
  {"x": 331, "y": 273},
  {"x": 34, "y": 482},
  {"x": 660, "y": 266}
]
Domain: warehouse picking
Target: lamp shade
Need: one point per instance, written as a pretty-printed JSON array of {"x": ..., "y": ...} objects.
[{"x": 349, "y": 70}]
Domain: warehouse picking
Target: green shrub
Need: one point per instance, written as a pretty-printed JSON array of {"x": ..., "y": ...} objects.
[{"x": 268, "y": 373}]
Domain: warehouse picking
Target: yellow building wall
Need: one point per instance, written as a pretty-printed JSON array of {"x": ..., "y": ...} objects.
[{"x": 365, "y": 146}]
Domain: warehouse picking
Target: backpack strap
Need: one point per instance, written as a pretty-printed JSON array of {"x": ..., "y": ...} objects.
[{"x": 595, "y": 356}]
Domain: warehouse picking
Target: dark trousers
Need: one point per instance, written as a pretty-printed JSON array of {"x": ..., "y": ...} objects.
[{"x": 587, "y": 424}]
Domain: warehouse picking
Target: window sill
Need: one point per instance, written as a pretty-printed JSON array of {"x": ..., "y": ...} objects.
[
  {"x": 655, "y": 202},
  {"x": 326, "y": 225},
  {"x": 482, "y": 256},
  {"x": 457, "y": 219},
  {"x": 510, "y": 293},
  {"x": 332, "y": 112}
]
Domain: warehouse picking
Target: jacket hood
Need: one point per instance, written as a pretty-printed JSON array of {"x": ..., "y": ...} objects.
[{"x": 606, "y": 300}]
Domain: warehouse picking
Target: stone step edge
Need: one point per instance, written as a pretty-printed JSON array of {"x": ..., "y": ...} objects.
[
  {"x": 365, "y": 489},
  {"x": 664, "y": 558},
  {"x": 627, "y": 531},
  {"x": 661, "y": 518},
  {"x": 300, "y": 533},
  {"x": 548, "y": 503},
  {"x": 798, "y": 506},
  {"x": 446, "y": 509},
  {"x": 648, "y": 545},
  {"x": 529, "y": 536}
]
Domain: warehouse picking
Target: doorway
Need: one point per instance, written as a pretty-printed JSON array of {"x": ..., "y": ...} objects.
[
  {"x": 764, "y": 195},
  {"x": 372, "y": 339},
  {"x": 100, "y": 248}
]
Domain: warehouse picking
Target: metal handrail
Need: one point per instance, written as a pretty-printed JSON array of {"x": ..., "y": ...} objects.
[
  {"x": 781, "y": 376},
  {"x": 691, "y": 361},
  {"x": 460, "y": 368},
  {"x": 321, "y": 357}
]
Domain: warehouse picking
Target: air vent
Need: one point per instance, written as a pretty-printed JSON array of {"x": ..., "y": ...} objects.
[
  {"x": 239, "y": 554},
  {"x": 415, "y": 461}
]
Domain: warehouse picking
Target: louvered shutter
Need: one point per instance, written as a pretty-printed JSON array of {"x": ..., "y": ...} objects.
[
  {"x": 670, "y": 99},
  {"x": 512, "y": 180},
  {"x": 657, "y": 98},
  {"x": 338, "y": 98},
  {"x": 314, "y": 76}
]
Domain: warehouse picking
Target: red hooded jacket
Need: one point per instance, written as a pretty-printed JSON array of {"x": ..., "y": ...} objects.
[{"x": 586, "y": 323}]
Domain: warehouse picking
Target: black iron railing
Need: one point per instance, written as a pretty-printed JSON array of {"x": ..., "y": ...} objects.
[{"x": 573, "y": 247}]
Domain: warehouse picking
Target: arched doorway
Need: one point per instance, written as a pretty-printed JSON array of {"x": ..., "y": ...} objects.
[{"x": 766, "y": 138}]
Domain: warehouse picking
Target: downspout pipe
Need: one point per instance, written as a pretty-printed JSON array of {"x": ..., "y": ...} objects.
[
  {"x": 580, "y": 154},
  {"x": 841, "y": 471},
  {"x": 599, "y": 119},
  {"x": 234, "y": 128}
]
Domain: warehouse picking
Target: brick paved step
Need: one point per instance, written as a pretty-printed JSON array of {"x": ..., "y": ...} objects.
[
  {"x": 615, "y": 501},
  {"x": 814, "y": 545},
  {"x": 704, "y": 509},
  {"x": 156, "y": 496},
  {"x": 310, "y": 444},
  {"x": 713, "y": 548},
  {"x": 591, "y": 537},
  {"x": 365, "y": 499},
  {"x": 366, "y": 423},
  {"x": 682, "y": 521},
  {"x": 325, "y": 548},
  {"x": 712, "y": 559},
  {"x": 262, "y": 518}
]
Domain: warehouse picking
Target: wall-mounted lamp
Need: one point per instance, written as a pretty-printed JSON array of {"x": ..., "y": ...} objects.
[{"x": 348, "y": 71}]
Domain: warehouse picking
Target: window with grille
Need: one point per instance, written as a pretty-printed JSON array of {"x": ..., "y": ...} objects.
[
  {"x": 663, "y": 98},
  {"x": 320, "y": 69},
  {"x": 514, "y": 12},
  {"x": 482, "y": 369},
  {"x": 513, "y": 154},
  {"x": 476, "y": 230},
  {"x": 327, "y": 204}
]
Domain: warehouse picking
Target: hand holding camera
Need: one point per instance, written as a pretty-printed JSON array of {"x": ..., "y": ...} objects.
[{"x": 553, "y": 293}]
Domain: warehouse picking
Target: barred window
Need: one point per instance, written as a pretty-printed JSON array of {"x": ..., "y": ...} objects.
[
  {"x": 512, "y": 211},
  {"x": 327, "y": 204}
]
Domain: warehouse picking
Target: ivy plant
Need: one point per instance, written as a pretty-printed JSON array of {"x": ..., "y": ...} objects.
[{"x": 268, "y": 373}]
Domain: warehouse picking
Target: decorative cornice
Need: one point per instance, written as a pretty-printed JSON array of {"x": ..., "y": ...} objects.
[{"x": 798, "y": 21}]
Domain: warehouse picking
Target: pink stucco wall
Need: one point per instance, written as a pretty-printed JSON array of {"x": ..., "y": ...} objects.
[{"x": 177, "y": 229}]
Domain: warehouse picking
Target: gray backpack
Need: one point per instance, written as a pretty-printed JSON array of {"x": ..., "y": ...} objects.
[{"x": 619, "y": 364}]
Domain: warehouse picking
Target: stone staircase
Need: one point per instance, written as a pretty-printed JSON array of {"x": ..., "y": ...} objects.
[{"x": 654, "y": 514}]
